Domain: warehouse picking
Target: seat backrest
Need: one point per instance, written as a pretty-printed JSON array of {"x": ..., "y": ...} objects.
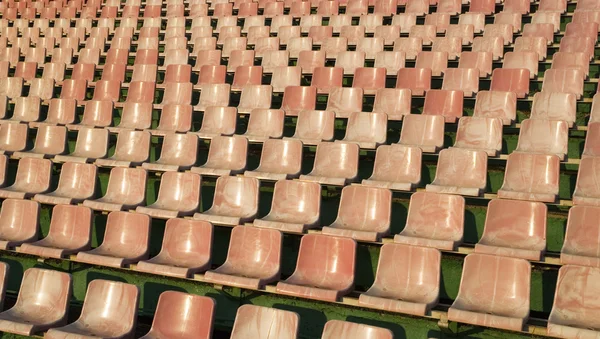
[
  {"x": 182, "y": 314},
  {"x": 263, "y": 322},
  {"x": 345, "y": 329},
  {"x": 238, "y": 195}
]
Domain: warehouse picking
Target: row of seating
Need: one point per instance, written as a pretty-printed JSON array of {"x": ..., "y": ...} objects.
[
  {"x": 399, "y": 286},
  {"x": 43, "y": 303}
]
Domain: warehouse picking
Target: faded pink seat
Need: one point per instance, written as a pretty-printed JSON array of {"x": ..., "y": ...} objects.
[
  {"x": 462, "y": 79},
  {"x": 592, "y": 140},
  {"x": 253, "y": 259},
  {"x": 178, "y": 195},
  {"x": 96, "y": 114},
  {"x": 517, "y": 6},
  {"x": 417, "y": 80},
  {"x": 546, "y": 18},
  {"x": 496, "y": 104},
  {"x": 580, "y": 246},
  {"x": 494, "y": 292},
  {"x": 263, "y": 322},
  {"x": 480, "y": 133},
  {"x": 280, "y": 159},
  {"x": 409, "y": 286},
  {"x": 368, "y": 130},
  {"x": 578, "y": 44},
  {"x": 42, "y": 303},
  {"x": 554, "y": 106},
  {"x": 441, "y": 21},
  {"x": 411, "y": 47},
  {"x": 587, "y": 191},
  {"x": 178, "y": 152},
  {"x": 307, "y": 60},
  {"x": 515, "y": 229},
  {"x": 335, "y": 164},
  {"x": 364, "y": 213},
  {"x": 213, "y": 95},
  {"x": 434, "y": 220},
  {"x": 132, "y": 148},
  {"x": 298, "y": 98},
  {"x": 392, "y": 61},
  {"x": 532, "y": 44},
  {"x": 527, "y": 60},
  {"x": 18, "y": 222},
  {"x": 511, "y": 80},
  {"x": 13, "y": 138},
  {"x": 235, "y": 201},
  {"x": 576, "y": 60},
  {"x": 533, "y": 177},
  {"x": 26, "y": 109},
  {"x": 417, "y": 7},
  {"x": 126, "y": 190},
  {"x": 91, "y": 144},
  {"x": 544, "y": 136},
  {"x": 397, "y": 167},
  {"x": 246, "y": 75},
  {"x": 460, "y": 171},
  {"x": 425, "y": 32},
  {"x": 186, "y": 249},
  {"x": 226, "y": 156},
  {"x": 264, "y": 124},
  {"x": 295, "y": 207},
  {"x": 396, "y": 103},
  {"x": 350, "y": 61},
  {"x": 174, "y": 118},
  {"x": 564, "y": 81},
  {"x": 491, "y": 44},
  {"x": 499, "y": 31},
  {"x": 126, "y": 241},
  {"x": 539, "y": 29},
  {"x": 481, "y": 61},
  {"x": 33, "y": 177},
  {"x": 70, "y": 232},
  {"x": 324, "y": 270},
  {"x": 326, "y": 79},
  {"x": 445, "y": 103},
  {"x": 423, "y": 131},
  {"x": 109, "y": 310},
  {"x": 437, "y": 62},
  {"x": 50, "y": 140},
  {"x": 370, "y": 79},
  {"x": 344, "y": 101},
  {"x": 77, "y": 182},
  {"x": 575, "y": 303},
  {"x": 182, "y": 315},
  {"x": 344, "y": 329},
  {"x": 255, "y": 96},
  {"x": 450, "y": 45},
  {"x": 217, "y": 120}
]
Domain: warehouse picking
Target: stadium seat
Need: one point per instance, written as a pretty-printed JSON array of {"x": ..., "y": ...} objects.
[
  {"x": 280, "y": 159},
  {"x": 460, "y": 171},
  {"x": 533, "y": 177},
  {"x": 434, "y": 220},
  {"x": 226, "y": 156},
  {"x": 178, "y": 195},
  {"x": 298, "y": 98},
  {"x": 312, "y": 127},
  {"x": 335, "y": 164},
  {"x": 106, "y": 302},
  {"x": 343, "y": 101},
  {"x": 554, "y": 106},
  {"x": 345, "y": 329},
  {"x": 216, "y": 121},
  {"x": 263, "y": 322},
  {"x": 132, "y": 148},
  {"x": 13, "y": 138},
  {"x": 423, "y": 131},
  {"x": 564, "y": 81},
  {"x": 511, "y": 80},
  {"x": 410, "y": 46},
  {"x": 42, "y": 303},
  {"x": 178, "y": 152},
  {"x": 265, "y": 124},
  {"x": 18, "y": 222},
  {"x": 480, "y": 61},
  {"x": 532, "y": 44},
  {"x": 91, "y": 144},
  {"x": 315, "y": 276},
  {"x": 494, "y": 292},
  {"x": 368, "y": 130},
  {"x": 496, "y": 104},
  {"x": 77, "y": 183},
  {"x": 586, "y": 192},
  {"x": 493, "y": 44},
  {"x": 515, "y": 229},
  {"x": 526, "y": 60},
  {"x": 417, "y": 80},
  {"x": 592, "y": 142},
  {"x": 370, "y": 79},
  {"x": 253, "y": 259},
  {"x": 32, "y": 177},
  {"x": 544, "y": 136},
  {"x": 436, "y": 61},
  {"x": 182, "y": 315},
  {"x": 580, "y": 246},
  {"x": 445, "y": 103},
  {"x": 126, "y": 190},
  {"x": 480, "y": 133}
]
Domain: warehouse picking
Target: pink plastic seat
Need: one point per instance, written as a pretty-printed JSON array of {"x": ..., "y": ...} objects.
[
  {"x": 499, "y": 31},
  {"x": 182, "y": 315},
  {"x": 344, "y": 101},
  {"x": 477, "y": 20},
  {"x": 217, "y": 121},
  {"x": 410, "y": 46},
  {"x": 264, "y": 322},
  {"x": 298, "y": 98},
  {"x": 77, "y": 182},
  {"x": 33, "y": 177},
  {"x": 391, "y": 61},
  {"x": 182, "y": 261},
  {"x": 514, "y": 229},
  {"x": 335, "y": 164},
  {"x": 575, "y": 60},
  {"x": 316, "y": 277},
  {"x": 246, "y": 75},
  {"x": 544, "y": 30},
  {"x": 544, "y": 136},
  {"x": 592, "y": 140},
  {"x": 586, "y": 190},
  {"x": 370, "y": 79},
  {"x": 126, "y": 241},
  {"x": 396, "y": 103},
  {"x": 264, "y": 124},
  {"x": 388, "y": 34},
  {"x": 533, "y": 177},
  {"x": 214, "y": 95},
  {"x": 480, "y": 133},
  {"x": 449, "y": 44},
  {"x": 226, "y": 156},
  {"x": 253, "y": 259},
  {"x": 179, "y": 151},
  {"x": 425, "y": 32},
  {"x": 13, "y": 137},
  {"x": 423, "y": 131},
  {"x": 280, "y": 159},
  {"x": 554, "y": 106},
  {"x": 49, "y": 141},
  {"x": 91, "y": 144},
  {"x": 580, "y": 245},
  {"x": 434, "y": 220},
  {"x": 13, "y": 87},
  {"x": 417, "y": 7},
  {"x": 255, "y": 96},
  {"x": 368, "y": 130},
  {"x": 578, "y": 44},
  {"x": 109, "y": 310},
  {"x": 364, "y": 214},
  {"x": 313, "y": 127},
  {"x": 446, "y": 103},
  {"x": 295, "y": 207},
  {"x": 132, "y": 148},
  {"x": 564, "y": 81},
  {"x": 527, "y": 60},
  {"x": 496, "y": 104},
  {"x": 397, "y": 167},
  {"x": 512, "y": 80},
  {"x": 126, "y": 190},
  {"x": 344, "y": 329},
  {"x": 42, "y": 303},
  {"x": 326, "y": 79},
  {"x": 235, "y": 201},
  {"x": 178, "y": 195},
  {"x": 409, "y": 286},
  {"x": 517, "y": 6},
  {"x": 18, "y": 222},
  {"x": 441, "y": 21},
  {"x": 437, "y": 62},
  {"x": 418, "y": 80},
  {"x": 532, "y": 44},
  {"x": 460, "y": 171},
  {"x": 462, "y": 79},
  {"x": 575, "y": 303},
  {"x": 494, "y": 292}
]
